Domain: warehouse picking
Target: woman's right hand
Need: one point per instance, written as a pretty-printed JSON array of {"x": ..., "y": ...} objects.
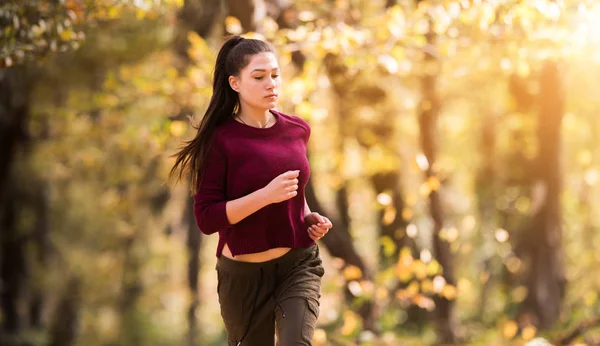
[{"x": 283, "y": 187}]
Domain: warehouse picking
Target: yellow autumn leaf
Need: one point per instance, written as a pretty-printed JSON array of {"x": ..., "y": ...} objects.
[
  {"x": 427, "y": 286},
  {"x": 519, "y": 294},
  {"x": 285, "y": 58},
  {"x": 403, "y": 272},
  {"x": 424, "y": 190},
  {"x": 402, "y": 294},
  {"x": 413, "y": 288},
  {"x": 389, "y": 215},
  {"x": 449, "y": 234},
  {"x": 590, "y": 298},
  {"x": 449, "y": 292},
  {"x": 420, "y": 269},
  {"x": 510, "y": 329},
  {"x": 194, "y": 38},
  {"x": 177, "y": 128},
  {"x": 352, "y": 272},
  {"x": 254, "y": 35},
  {"x": 434, "y": 268},
  {"x": 319, "y": 337},
  {"x": 405, "y": 257},
  {"x": 464, "y": 286},
  {"x": 381, "y": 294},
  {"x": 434, "y": 183},
  {"x": 67, "y": 34},
  {"x": 233, "y": 25},
  {"x": 351, "y": 323},
  {"x": 269, "y": 25},
  {"x": 407, "y": 213},
  {"x": 113, "y": 12},
  {"x": 140, "y": 14},
  {"x": 513, "y": 264},
  {"x": 528, "y": 333},
  {"x": 304, "y": 109},
  {"x": 424, "y": 302}
]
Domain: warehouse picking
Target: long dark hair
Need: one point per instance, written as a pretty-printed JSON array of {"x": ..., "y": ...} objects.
[{"x": 232, "y": 58}]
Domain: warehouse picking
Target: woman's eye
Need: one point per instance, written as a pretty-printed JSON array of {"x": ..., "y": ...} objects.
[{"x": 262, "y": 77}]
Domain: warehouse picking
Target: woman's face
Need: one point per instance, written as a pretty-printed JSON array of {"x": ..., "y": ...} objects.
[{"x": 259, "y": 82}]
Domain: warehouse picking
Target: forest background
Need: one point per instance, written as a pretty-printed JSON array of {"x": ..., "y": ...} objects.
[{"x": 454, "y": 146}]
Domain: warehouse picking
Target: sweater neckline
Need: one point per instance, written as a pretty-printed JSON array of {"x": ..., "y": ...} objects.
[{"x": 260, "y": 130}]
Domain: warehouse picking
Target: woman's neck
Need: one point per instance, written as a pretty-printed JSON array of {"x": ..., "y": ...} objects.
[{"x": 255, "y": 117}]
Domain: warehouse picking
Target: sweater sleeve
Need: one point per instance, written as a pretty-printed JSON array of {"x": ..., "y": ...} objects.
[
  {"x": 304, "y": 124},
  {"x": 307, "y": 127},
  {"x": 210, "y": 199}
]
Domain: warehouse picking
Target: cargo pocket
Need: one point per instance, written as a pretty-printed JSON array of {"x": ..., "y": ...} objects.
[
  {"x": 310, "y": 320},
  {"x": 313, "y": 306}
]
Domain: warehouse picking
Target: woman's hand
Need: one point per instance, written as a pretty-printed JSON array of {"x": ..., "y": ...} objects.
[
  {"x": 318, "y": 225},
  {"x": 282, "y": 188}
]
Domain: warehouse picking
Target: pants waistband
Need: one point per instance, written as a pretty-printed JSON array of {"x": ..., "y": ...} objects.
[{"x": 230, "y": 265}]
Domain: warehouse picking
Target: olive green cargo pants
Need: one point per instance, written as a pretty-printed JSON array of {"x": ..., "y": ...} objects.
[{"x": 278, "y": 297}]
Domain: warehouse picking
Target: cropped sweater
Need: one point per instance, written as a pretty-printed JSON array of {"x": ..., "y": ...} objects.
[{"x": 243, "y": 159}]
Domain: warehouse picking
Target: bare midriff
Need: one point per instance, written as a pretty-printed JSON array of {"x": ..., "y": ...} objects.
[{"x": 258, "y": 256}]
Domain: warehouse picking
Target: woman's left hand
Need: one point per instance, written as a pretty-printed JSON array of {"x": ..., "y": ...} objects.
[{"x": 318, "y": 225}]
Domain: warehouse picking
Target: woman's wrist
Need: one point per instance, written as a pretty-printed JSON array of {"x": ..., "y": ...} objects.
[{"x": 263, "y": 197}]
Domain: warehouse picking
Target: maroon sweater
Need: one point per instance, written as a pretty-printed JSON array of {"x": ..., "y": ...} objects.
[{"x": 241, "y": 160}]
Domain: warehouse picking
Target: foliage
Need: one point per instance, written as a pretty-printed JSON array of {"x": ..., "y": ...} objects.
[{"x": 109, "y": 110}]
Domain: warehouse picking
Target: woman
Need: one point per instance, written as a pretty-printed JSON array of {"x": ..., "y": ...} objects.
[{"x": 248, "y": 169}]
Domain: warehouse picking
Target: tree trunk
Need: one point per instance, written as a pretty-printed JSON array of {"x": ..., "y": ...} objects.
[
  {"x": 132, "y": 289},
  {"x": 546, "y": 279},
  {"x": 14, "y": 268},
  {"x": 194, "y": 241},
  {"x": 197, "y": 16},
  {"x": 339, "y": 244},
  {"x": 286, "y": 16},
  {"x": 516, "y": 172},
  {"x": 41, "y": 233},
  {"x": 40, "y": 200},
  {"x": 14, "y": 113},
  {"x": 251, "y": 13},
  {"x": 429, "y": 112},
  {"x": 66, "y": 320},
  {"x": 486, "y": 203}
]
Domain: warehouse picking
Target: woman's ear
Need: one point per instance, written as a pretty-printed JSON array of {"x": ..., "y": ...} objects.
[{"x": 233, "y": 83}]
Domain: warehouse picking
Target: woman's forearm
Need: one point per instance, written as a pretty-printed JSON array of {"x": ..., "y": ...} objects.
[{"x": 241, "y": 208}]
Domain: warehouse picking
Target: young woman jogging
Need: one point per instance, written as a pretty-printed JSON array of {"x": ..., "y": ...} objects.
[{"x": 248, "y": 169}]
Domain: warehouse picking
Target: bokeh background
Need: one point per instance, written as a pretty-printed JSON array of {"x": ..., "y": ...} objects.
[{"x": 455, "y": 147}]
